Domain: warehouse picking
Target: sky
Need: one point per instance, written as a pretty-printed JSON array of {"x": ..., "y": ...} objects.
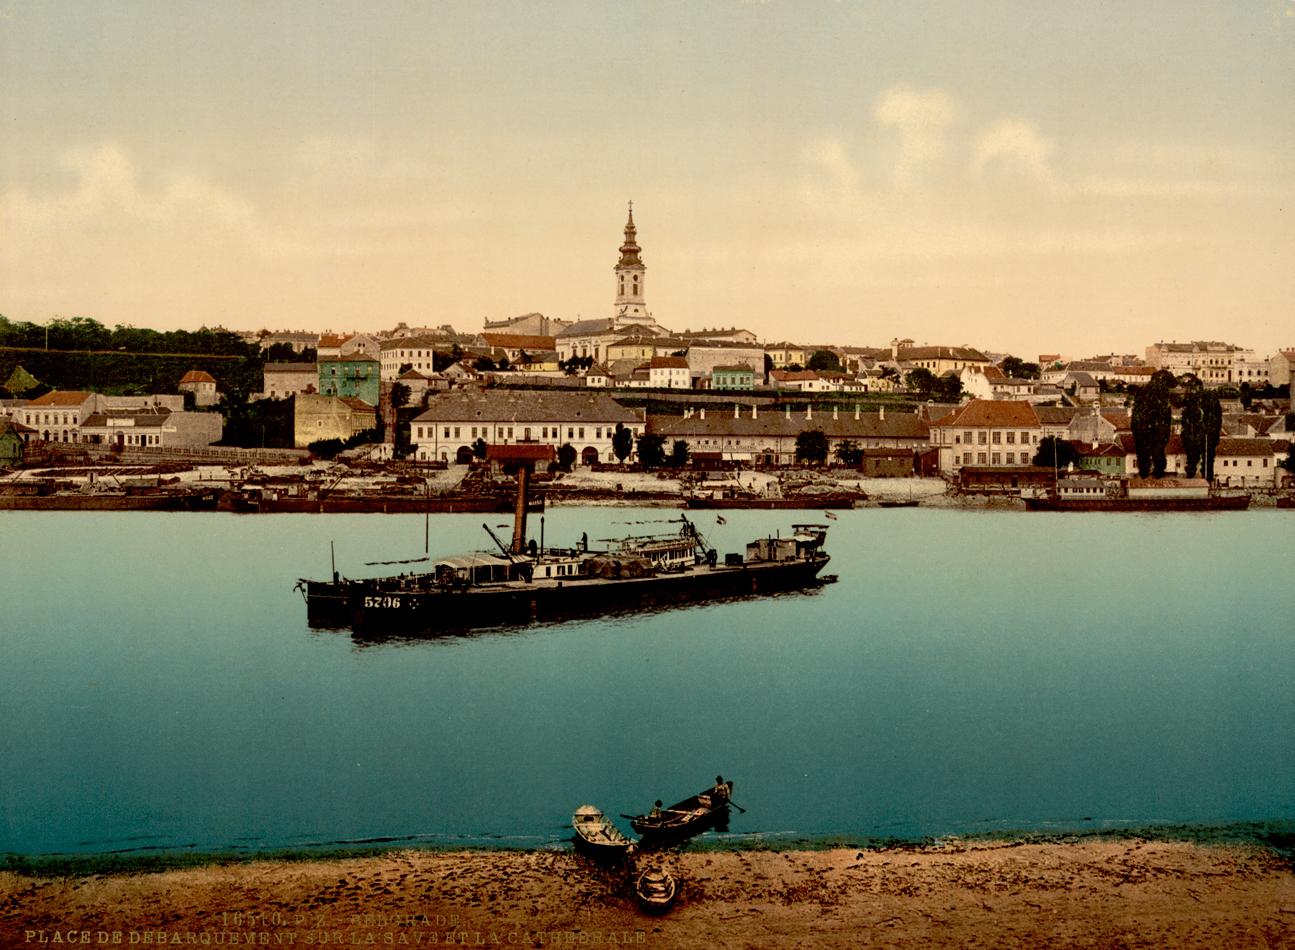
[{"x": 1022, "y": 176}]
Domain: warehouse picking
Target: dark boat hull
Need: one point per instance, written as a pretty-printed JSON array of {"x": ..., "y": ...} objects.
[
  {"x": 109, "y": 502},
  {"x": 388, "y": 606},
  {"x": 1211, "y": 503},
  {"x": 685, "y": 819},
  {"x": 374, "y": 504}
]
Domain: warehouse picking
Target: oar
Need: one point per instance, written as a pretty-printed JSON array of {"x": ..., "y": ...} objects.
[{"x": 737, "y": 806}]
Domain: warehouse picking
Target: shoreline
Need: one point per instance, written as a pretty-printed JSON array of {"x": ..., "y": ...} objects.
[
  {"x": 1277, "y": 836},
  {"x": 1134, "y": 892}
]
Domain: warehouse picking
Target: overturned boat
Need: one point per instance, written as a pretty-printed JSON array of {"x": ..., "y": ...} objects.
[{"x": 527, "y": 582}]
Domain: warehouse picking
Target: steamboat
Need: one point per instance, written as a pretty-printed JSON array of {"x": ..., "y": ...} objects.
[{"x": 527, "y": 582}]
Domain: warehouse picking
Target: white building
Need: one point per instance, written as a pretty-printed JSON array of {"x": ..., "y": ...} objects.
[{"x": 454, "y": 421}]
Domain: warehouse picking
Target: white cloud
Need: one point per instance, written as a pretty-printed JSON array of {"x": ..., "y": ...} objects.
[
  {"x": 1014, "y": 146},
  {"x": 921, "y": 119}
]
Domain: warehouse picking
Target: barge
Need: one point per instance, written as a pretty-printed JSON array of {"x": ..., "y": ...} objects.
[{"x": 1094, "y": 493}]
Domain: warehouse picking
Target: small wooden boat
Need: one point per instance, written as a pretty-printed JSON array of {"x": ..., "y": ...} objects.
[
  {"x": 689, "y": 817},
  {"x": 899, "y": 503},
  {"x": 656, "y": 890},
  {"x": 596, "y": 836}
]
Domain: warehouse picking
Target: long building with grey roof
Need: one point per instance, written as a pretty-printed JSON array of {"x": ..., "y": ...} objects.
[{"x": 455, "y": 420}]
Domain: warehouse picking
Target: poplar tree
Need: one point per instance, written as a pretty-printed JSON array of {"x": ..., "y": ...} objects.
[{"x": 1151, "y": 419}]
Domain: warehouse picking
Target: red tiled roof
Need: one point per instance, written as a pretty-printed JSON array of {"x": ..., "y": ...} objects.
[
  {"x": 60, "y": 398},
  {"x": 197, "y": 376},
  {"x": 1006, "y": 413},
  {"x": 669, "y": 362},
  {"x": 521, "y": 341}
]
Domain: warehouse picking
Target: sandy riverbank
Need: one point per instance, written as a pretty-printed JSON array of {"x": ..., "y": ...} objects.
[{"x": 1105, "y": 894}]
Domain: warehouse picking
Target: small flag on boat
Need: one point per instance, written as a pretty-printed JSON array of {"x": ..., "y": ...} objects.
[
  {"x": 830, "y": 515},
  {"x": 719, "y": 519}
]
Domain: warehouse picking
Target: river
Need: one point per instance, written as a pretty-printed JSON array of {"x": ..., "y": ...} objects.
[{"x": 972, "y": 671}]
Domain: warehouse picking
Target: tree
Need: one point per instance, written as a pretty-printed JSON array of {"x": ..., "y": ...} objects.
[
  {"x": 849, "y": 453},
  {"x": 651, "y": 449},
  {"x": 480, "y": 448},
  {"x": 1055, "y": 452},
  {"x": 825, "y": 359},
  {"x": 622, "y": 442},
  {"x": 400, "y": 394},
  {"x": 566, "y": 456},
  {"x": 678, "y": 454},
  {"x": 768, "y": 364},
  {"x": 811, "y": 447},
  {"x": 1017, "y": 368},
  {"x": 1150, "y": 420},
  {"x": 484, "y": 364}
]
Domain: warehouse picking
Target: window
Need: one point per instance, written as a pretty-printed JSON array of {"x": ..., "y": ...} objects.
[
  {"x": 456, "y": 432},
  {"x": 998, "y": 438},
  {"x": 1011, "y": 438},
  {"x": 1025, "y": 438},
  {"x": 996, "y": 459},
  {"x": 980, "y": 456},
  {"x": 981, "y": 436},
  {"x": 582, "y": 432},
  {"x": 1011, "y": 458},
  {"x": 571, "y": 433},
  {"x": 966, "y": 437},
  {"x": 420, "y": 432},
  {"x": 447, "y": 432}
]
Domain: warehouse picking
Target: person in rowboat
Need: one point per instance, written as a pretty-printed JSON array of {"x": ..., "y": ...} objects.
[
  {"x": 655, "y": 814},
  {"x": 721, "y": 790}
]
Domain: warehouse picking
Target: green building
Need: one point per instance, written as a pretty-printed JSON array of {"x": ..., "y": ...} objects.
[
  {"x": 355, "y": 376},
  {"x": 739, "y": 376}
]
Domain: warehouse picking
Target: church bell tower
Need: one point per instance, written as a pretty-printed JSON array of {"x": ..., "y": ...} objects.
[{"x": 630, "y": 276}]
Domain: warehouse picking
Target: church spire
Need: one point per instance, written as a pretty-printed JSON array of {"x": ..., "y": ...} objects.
[
  {"x": 631, "y": 273},
  {"x": 630, "y": 249}
]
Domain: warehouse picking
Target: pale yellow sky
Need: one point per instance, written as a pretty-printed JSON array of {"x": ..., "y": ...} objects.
[{"x": 1024, "y": 177}]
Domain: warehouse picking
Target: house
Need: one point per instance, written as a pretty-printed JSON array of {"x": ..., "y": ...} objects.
[
  {"x": 11, "y": 442},
  {"x": 887, "y": 463},
  {"x": 300, "y": 341},
  {"x": 1081, "y": 386},
  {"x": 1108, "y": 458},
  {"x": 454, "y": 421},
  {"x": 785, "y": 354},
  {"x": 669, "y": 372},
  {"x": 1096, "y": 369},
  {"x": 202, "y": 385},
  {"x": 993, "y": 433},
  {"x": 1247, "y": 463},
  {"x": 800, "y": 380},
  {"x": 769, "y": 438},
  {"x": 356, "y": 376},
  {"x": 530, "y": 324},
  {"x": 597, "y": 376},
  {"x": 705, "y": 355},
  {"x": 281, "y": 380},
  {"x": 414, "y": 352},
  {"x": 1279, "y": 367},
  {"x": 151, "y": 428},
  {"x": 938, "y": 359},
  {"x": 58, "y": 415},
  {"x": 515, "y": 345},
  {"x": 318, "y": 417},
  {"x": 732, "y": 376}
]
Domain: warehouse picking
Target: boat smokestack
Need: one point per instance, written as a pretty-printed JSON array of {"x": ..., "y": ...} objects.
[{"x": 519, "y": 515}]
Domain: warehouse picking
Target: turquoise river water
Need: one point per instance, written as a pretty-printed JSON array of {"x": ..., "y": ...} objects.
[{"x": 970, "y": 672}]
